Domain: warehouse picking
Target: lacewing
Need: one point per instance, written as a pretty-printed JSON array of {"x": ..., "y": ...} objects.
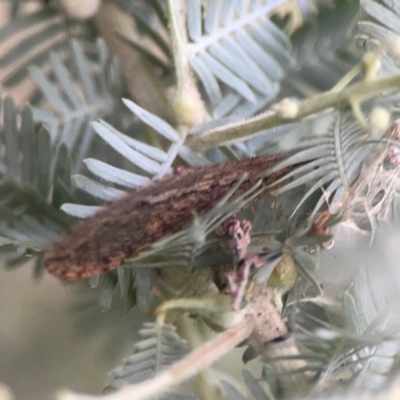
[{"x": 129, "y": 225}]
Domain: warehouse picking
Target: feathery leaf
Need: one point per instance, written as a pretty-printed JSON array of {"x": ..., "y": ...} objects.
[
  {"x": 241, "y": 53},
  {"x": 159, "y": 347}
]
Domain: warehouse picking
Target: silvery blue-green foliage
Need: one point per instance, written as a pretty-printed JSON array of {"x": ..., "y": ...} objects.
[
  {"x": 159, "y": 347},
  {"x": 70, "y": 95},
  {"x": 217, "y": 19},
  {"x": 75, "y": 95},
  {"x": 333, "y": 143},
  {"x": 238, "y": 54},
  {"x": 359, "y": 340},
  {"x": 381, "y": 23},
  {"x": 241, "y": 58},
  {"x": 371, "y": 307},
  {"x": 151, "y": 21},
  {"x": 372, "y": 315},
  {"x": 256, "y": 391},
  {"x": 37, "y": 163},
  {"x": 328, "y": 350},
  {"x": 316, "y": 68},
  {"x": 43, "y": 31},
  {"x": 93, "y": 314},
  {"x": 146, "y": 161},
  {"x": 179, "y": 249},
  {"x": 149, "y": 160},
  {"x": 32, "y": 179},
  {"x": 334, "y": 148},
  {"x": 75, "y": 81}
]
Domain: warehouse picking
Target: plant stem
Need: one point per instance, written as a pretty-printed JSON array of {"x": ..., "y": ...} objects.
[
  {"x": 347, "y": 78},
  {"x": 176, "y": 11},
  {"x": 189, "y": 366},
  {"x": 187, "y": 104},
  {"x": 191, "y": 329},
  {"x": 255, "y": 126}
]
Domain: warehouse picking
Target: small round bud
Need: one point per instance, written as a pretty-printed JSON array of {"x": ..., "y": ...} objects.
[
  {"x": 284, "y": 275},
  {"x": 79, "y": 9},
  {"x": 379, "y": 119},
  {"x": 287, "y": 108},
  {"x": 188, "y": 107}
]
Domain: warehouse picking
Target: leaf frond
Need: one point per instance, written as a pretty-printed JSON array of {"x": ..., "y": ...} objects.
[
  {"x": 335, "y": 156},
  {"x": 318, "y": 70},
  {"x": 255, "y": 389},
  {"x": 147, "y": 160},
  {"x": 159, "y": 348},
  {"x": 77, "y": 91},
  {"x": 32, "y": 178},
  {"x": 237, "y": 51},
  {"x": 366, "y": 345},
  {"x": 151, "y": 23},
  {"x": 28, "y": 39}
]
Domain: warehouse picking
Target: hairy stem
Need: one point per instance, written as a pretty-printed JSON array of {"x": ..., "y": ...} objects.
[
  {"x": 176, "y": 11},
  {"x": 255, "y": 126}
]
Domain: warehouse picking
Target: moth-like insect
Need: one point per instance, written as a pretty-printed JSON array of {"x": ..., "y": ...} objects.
[{"x": 129, "y": 225}]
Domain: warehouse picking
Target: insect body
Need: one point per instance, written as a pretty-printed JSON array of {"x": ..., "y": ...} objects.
[{"x": 129, "y": 225}]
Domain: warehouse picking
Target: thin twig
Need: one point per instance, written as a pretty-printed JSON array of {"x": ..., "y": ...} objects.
[
  {"x": 254, "y": 126},
  {"x": 194, "y": 362},
  {"x": 195, "y": 331}
]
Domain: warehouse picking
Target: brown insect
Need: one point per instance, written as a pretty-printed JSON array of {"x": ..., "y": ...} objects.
[{"x": 130, "y": 224}]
